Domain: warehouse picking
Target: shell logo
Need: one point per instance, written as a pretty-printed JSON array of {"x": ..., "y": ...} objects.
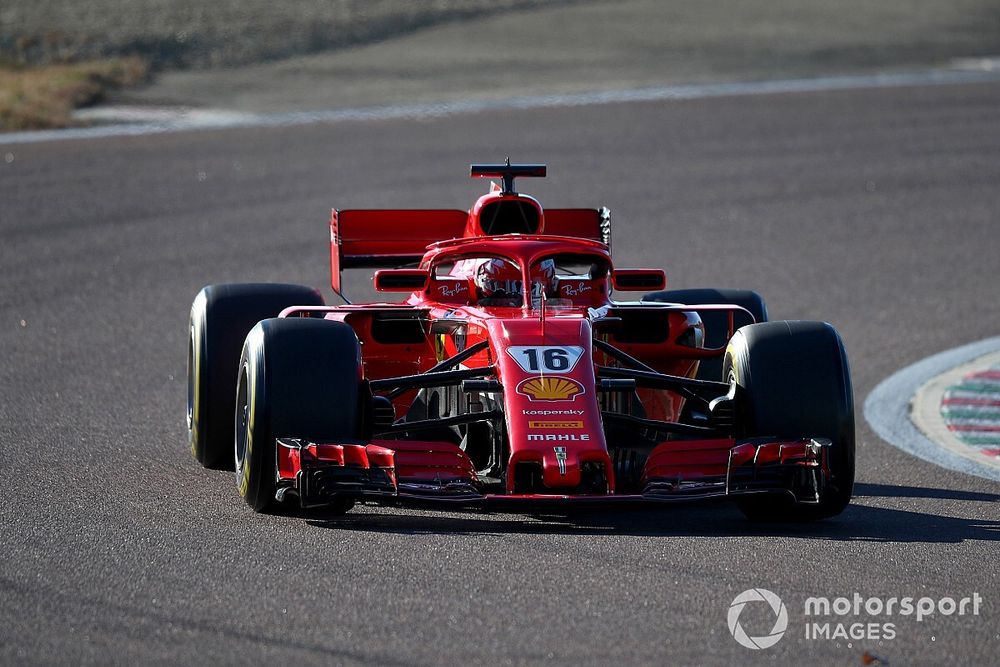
[{"x": 550, "y": 389}]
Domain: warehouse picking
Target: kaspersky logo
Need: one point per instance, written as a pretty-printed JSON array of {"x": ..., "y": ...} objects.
[{"x": 755, "y": 595}]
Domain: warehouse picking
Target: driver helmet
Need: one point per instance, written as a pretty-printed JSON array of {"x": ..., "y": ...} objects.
[{"x": 498, "y": 278}]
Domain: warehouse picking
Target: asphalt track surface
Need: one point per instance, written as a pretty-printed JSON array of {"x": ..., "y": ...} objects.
[{"x": 875, "y": 210}]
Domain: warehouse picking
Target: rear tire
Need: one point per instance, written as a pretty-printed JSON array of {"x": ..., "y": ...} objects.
[
  {"x": 793, "y": 381},
  {"x": 221, "y": 316},
  {"x": 716, "y": 323},
  {"x": 298, "y": 378}
]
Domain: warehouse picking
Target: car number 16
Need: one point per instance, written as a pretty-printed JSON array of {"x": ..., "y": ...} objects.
[{"x": 547, "y": 358}]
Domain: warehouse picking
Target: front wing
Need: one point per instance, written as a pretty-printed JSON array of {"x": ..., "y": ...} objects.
[{"x": 396, "y": 472}]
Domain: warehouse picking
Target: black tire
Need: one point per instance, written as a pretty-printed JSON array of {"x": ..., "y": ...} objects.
[
  {"x": 793, "y": 381},
  {"x": 716, "y": 323},
  {"x": 298, "y": 378},
  {"x": 221, "y": 316}
]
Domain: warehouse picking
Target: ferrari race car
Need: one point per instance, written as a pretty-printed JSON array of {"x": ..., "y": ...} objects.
[{"x": 507, "y": 378}]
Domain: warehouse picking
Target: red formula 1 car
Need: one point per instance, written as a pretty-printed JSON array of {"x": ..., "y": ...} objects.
[{"x": 508, "y": 378}]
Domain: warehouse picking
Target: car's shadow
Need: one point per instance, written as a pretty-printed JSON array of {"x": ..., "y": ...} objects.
[{"x": 859, "y": 522}]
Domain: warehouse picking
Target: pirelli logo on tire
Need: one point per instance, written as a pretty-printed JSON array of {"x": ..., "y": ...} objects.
[{"x": 561, "y": 425}]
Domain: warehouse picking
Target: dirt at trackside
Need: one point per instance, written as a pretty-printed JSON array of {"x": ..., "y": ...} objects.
[
  {"x": 206, "y": 33},
  {"x": 604, "y": 45},
  {"x": 33, "y": 98},
  {"x": 257, "y": 55}
]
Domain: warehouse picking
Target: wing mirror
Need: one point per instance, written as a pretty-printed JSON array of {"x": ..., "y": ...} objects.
[
  {"x": 638, "y": 280},
  {"x": 401, "y": 280}
]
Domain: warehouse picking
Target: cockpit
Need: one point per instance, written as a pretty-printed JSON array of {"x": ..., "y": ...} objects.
[{"x": 562, "y": 279}]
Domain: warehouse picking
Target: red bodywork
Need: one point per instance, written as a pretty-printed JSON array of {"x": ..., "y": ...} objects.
[{"x": 563, "y": 435}]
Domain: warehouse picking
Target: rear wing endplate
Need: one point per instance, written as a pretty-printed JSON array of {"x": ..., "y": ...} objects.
[{"x": 385, "y": 238}]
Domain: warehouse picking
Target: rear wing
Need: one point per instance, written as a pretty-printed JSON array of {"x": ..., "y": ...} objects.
[
  {"x": 386, "y": 238},
  {"x": 584, "y": 223}
]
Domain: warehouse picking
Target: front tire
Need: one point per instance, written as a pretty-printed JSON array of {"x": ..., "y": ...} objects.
[
  {"x": 221, "y": 316},
  {"x": 298, "y": 378},
  {"x": 793, "y": 381}
]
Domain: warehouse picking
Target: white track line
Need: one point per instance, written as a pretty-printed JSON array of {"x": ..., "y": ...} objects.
[
  {"x": 887, "y": 409},
  {"x": 183, "y": 120}
]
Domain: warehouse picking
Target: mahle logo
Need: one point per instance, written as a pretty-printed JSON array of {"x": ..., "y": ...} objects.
[{"x": 780, "y": 621}]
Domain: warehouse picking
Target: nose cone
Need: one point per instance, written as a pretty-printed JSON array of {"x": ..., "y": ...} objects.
[{"x": 553, "y": 418}]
